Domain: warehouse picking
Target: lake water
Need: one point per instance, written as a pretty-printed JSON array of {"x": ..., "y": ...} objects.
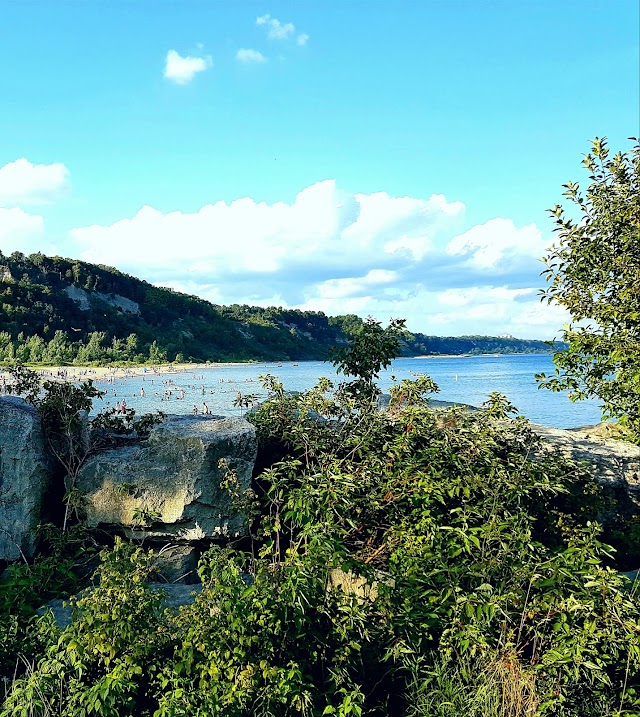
[{"x": 464, "y": 379}]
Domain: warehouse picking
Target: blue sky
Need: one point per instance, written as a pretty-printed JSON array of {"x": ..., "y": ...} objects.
[{"x": 385, "y": 158}]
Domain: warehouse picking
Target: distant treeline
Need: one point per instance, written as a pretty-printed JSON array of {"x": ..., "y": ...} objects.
[
  {"x": 61, "y": 311},
  {"x": 473, "y": 345}
]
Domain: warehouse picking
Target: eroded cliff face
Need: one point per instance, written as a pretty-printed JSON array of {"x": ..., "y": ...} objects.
[{"x": 26, "y": 472}]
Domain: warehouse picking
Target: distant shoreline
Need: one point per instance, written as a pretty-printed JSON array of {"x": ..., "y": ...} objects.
[
  {"x": 99, "y": 373},
  {"x": 496, "y": 355},
  {"x": 78, "y": 373}
]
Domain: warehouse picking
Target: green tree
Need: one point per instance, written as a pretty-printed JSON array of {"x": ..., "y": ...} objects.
[
  {"x": 94, "y": 349},
  {"x": 156, "y": 353},
  {"x": 59, "y": 350},
  {"x": 593, "y": 271},
  {"x": 5, "y": 345},
  {"x": 371, "y": 348},
  {"x": 131, "y": 345}
]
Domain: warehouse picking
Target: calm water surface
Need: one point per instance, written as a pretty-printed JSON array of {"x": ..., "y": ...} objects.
[{"x": 467, "y": 380}]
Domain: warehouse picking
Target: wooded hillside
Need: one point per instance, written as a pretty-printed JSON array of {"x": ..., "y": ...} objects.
[{"x": 62, "y": 311}]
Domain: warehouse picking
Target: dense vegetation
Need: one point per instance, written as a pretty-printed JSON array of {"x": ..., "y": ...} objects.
[
  {"x": 408, "y": 562},
  {"x": 594, "y": 271},
  {"x": 59, "y": 311}
]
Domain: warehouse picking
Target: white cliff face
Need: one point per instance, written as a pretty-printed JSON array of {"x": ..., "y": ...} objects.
[
  {"x": 25, "y": 475},
  {"x": 80, "y": 296},
  {"x": 83, "y": 299}
]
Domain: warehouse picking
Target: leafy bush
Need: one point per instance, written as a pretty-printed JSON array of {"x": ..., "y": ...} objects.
[
  {"x": 408, "y": 562},
  {"x": 594, "y": 272},
  {"x": 63, "y": 408}
]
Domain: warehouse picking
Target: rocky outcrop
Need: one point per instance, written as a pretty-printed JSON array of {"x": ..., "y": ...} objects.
[
  {"x": 169, "y": 485},
  {"x": 610, "y": 461},
  {"x": 80, "y": 296},
  {"x": 83, "y": 299},
  {"x": 173, "y": 598},
  {"x": 25, "y": 476},
  {"x": 384, "y": 400},
  {"x": 615, "y": 464},
  {"x": 178, "y": 563}
]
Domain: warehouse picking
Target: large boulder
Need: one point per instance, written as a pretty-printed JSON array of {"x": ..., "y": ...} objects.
[
  {"x": 615, "y": 464},
  {"x": 168, "y": 487},
  {"x": 612, "y": 462},
  {"x": 26, "y": 470}
]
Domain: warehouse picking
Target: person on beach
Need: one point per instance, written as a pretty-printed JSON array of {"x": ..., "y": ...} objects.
[{"x": 195, "y": 410}]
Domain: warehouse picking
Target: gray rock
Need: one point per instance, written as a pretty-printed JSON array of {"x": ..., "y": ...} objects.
[
  {"x": 611, "y": 461},
  {"x": 178, "y": 563},
  {"x": 174, "y": 597},
  {"x": 26, "y": 471},
  {"x": 384, "y": 400},
  {"x": 84, "y": 298},
  {"x": 168, "y": 487},
  {"x": 78, "y": 295}
]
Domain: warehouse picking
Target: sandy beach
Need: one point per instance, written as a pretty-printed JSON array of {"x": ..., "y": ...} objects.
[{"x": 100, "y": 373}]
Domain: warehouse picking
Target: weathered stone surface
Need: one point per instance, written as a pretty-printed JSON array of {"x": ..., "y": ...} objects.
[
  {"x": 610, "y": 460},
  {"x": 84, "y": 298},
  {"x": 384, "y": 400},
  {"x": 171, "y": 482},
  {"x": 25, "y": 475},
  {"x": 178, "y": 564},
  {"x": 174, "y": 597}
]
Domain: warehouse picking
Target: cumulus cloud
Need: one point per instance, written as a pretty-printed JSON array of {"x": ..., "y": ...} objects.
[
  {"x": 340, "y": 252},
  {"x": 182, "y": 70},
  {"x": 497, "y": 242},
  {"x": 326, "y": 226},
  {"x": 20, "y": 231},
  {"x": 24, "y": 183},
  {"x": 498, "y": 310},
  {"x": 248, "y": 55},
  {"x": 356, "y": 286},
  {"x": 277, "y": 30}
]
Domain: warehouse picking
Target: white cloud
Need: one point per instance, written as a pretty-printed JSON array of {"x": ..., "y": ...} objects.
[
  {"x": 248, "y": 55},
  {"x": 497, "y": 310},
  {"x": 182, "y": 70},
  {"x": 353, "y": 286},
  {"x": 20, "y": 231},
  {"x": 277, "y": 30},
  {"x": 23, "y": 183},
  {"x": 495, "y": 242},
  {"x": 341, "y": 252},
  {"x": 324, "y": 225}
]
